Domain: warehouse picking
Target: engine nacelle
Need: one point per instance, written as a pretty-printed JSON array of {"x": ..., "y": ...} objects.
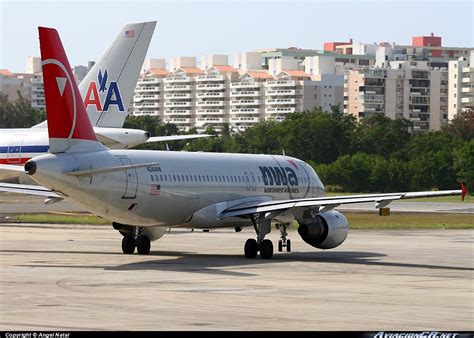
[
  {"x": 327, "y": 231},
  {"x": 118, "y": 138}
]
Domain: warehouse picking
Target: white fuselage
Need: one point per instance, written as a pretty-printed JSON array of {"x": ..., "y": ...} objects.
[
  {"x": 182, "y": 189},
  {"x": 18, "y": 145}
]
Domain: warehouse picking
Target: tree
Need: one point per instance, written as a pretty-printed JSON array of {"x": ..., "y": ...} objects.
[
  {"x": 464, "y": 164},
  {"x": 462, "y": 125},
  {"x": 18, "y": 113},
  {"x": 381, "y": 135}
]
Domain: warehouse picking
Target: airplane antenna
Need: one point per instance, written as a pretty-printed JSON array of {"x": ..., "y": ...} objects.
[
  {"x": 283, "y": 152},
  {"x": 167, "y": 147}
]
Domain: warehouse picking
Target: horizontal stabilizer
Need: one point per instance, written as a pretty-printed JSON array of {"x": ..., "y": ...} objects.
[{"x": 88, "y": 172}]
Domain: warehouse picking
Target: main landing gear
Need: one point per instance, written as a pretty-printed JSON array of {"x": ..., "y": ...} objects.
[
  {"x": 262, "y": 227},
  {"x": 136, "y": 239}
]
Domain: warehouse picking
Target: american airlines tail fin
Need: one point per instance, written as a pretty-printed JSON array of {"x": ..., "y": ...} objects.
[
  {"x": 108, "y": 87},
  {"x": 107, "y": 90},
  {"x": 69, "y": 126}
]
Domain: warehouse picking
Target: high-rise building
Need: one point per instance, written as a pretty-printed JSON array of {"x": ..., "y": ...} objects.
[
  {"x": 408, "y": 89},
  {"x": 14, "y": 85},
  {"x": 461, "y": 84},
  {"x": 149, "y": 93}
]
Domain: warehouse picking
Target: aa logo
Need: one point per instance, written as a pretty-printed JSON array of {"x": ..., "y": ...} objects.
[{"x": 103, "y": 95}]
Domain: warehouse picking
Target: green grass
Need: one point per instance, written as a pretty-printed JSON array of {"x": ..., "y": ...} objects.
[
  {"x": 61, "y": 219},
  {"x": 405, "y": 220},
  {"x": 357, "y": 220},
  {"x": 440, "y": 199}
]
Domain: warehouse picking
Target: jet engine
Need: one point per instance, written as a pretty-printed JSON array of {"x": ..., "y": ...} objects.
[
  {"x": 326, "y": 231},
  {"x": 118, "y": 138}
]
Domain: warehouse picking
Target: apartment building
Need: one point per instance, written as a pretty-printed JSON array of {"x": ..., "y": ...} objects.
[
  {"x": 247, "y": 105},
  {"x": 408, "y": 89},
  {"x": 14, "y": 85},
  {"x": 213, "y": 99},
  {"x": 461, "y": 84},
  {"x": 149, "y": 93}
]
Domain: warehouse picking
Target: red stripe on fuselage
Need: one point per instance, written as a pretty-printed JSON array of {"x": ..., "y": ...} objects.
[{"x": 14, "y": 160}]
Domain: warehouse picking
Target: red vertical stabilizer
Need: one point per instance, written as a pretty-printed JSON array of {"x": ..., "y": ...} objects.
[{"x": 69, "y": 126}]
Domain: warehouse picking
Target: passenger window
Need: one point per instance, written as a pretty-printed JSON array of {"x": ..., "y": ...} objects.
[
  {"x": 156, "y": 178},
  {"x": 161, "y": 178},
  {"x": 182, "y": 178},
  {"x": 151, "y": 177},
  {"x": 187, "y": 178},
  {"x": 174, "y": 178},
  {"x": 195, "y": 178},
  {"x": 177, "y": 176}
]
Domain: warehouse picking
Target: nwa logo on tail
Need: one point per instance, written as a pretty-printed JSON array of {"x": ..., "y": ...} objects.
[{"x": 103, "y": 95}]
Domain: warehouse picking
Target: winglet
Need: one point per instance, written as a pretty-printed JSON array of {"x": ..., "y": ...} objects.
[{"x": 464, "y": 191}]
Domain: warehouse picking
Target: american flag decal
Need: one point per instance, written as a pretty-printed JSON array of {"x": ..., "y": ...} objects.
[
  {"x": 155, "y": 189},
  {"x": 130, "y": 34}
]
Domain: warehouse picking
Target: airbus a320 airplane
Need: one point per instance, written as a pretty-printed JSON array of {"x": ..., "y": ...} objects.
[{"x": 145, "y": 192}]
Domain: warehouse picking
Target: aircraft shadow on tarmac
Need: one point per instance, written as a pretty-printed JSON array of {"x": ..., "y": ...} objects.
[
  {"x": 193, "y": 262},
  {"x": 220, "y": 264}
]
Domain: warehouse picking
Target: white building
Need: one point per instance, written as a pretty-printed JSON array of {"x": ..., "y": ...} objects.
[
  {"x": 180, "y": 97},
  {"x": 461, "y": 84},
  {"x": 149, "y": 93},
  {"x": 408, "y": 89}
]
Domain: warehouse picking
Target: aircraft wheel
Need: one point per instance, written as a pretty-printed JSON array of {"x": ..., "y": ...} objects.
[
  {"x": 143, "y": 245},
  {"x": 266, "y": 249},
  {"x": 288, "y": 245},
  {"x": 251, "y": 248},
  {"x": 280, "y": 245},
  {"x": 128, "y": 244}
]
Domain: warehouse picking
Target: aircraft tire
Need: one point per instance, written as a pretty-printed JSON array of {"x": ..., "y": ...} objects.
[
  {"x": 143, "y": 245},
  {"x": 266, "y": 249},
  {"x": 280, "y": 245},
  {"x": 288, "y": 245},
  {"x": 251, "y": 248},
  {"x": 128, "y": 244}
]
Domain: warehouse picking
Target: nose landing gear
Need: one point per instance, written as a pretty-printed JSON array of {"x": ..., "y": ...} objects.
[{"x": 284, "y": 242}]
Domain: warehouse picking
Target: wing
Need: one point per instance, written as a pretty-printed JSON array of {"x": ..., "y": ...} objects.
[
  {"x": 28, "y": 189},
  {"x": 11, "y": 167},
  {"x": 322, "y": 204},
  {"x": 176, "y": 137}
]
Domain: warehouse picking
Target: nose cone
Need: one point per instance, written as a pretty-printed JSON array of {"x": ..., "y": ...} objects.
[{"x": 30, "y": 167}]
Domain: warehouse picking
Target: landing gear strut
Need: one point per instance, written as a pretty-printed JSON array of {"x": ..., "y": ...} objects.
[
  {"x": 284, "y": 242},
  {"x": 136, "y": 239},
  {"x": 262, "y": 227}
]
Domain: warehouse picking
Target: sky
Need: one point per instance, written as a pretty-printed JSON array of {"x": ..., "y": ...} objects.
[{"x": 191, "y": 28}]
